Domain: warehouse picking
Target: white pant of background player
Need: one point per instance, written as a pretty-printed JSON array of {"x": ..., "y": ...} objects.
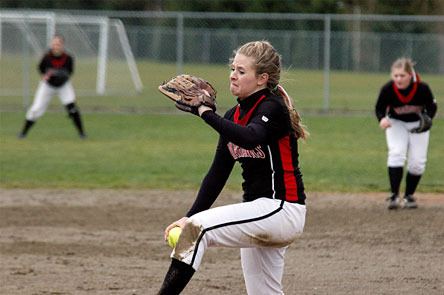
[
  {"x": 43, "y": 97},
  {"x": 404, "y": 145},
  {"x": 263, "y": 229}
]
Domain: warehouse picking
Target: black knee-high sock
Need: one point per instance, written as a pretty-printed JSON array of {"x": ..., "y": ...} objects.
[
  {"x": 411, "y": 182},
  {"x": 177, "y": 277},
  {"x": 395, "y": 176},
  {"x": 74, "y": 114},
  {"x": 26, "y": 127}
]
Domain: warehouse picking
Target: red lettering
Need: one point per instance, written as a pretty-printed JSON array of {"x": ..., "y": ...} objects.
[{"x": 238, "y": 152}]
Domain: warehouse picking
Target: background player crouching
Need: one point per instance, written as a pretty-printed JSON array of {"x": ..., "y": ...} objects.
[
  {"x": 56, "y": 68},
  {"x": 401, "y": 103}
]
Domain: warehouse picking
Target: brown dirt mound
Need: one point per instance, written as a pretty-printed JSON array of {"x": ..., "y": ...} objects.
[{"x": 111, "y": 242}]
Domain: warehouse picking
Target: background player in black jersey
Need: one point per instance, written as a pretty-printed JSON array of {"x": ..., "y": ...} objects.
[
  {"x": 56, "y": 68},
  {"x": 260, "y": 133},
  {"x": 399, "y": 102}
]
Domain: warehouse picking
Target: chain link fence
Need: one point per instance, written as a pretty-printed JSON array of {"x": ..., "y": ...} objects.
[
  {"x": 357, "y": 43},
  {"x": 332, "y": 62}
]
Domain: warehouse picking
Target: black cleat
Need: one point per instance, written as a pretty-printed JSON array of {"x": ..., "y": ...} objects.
[
  {"x": 410, "y": 202},
  {"x": 393, "y": 202}
]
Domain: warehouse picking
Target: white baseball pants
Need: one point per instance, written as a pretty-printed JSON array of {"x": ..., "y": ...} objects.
[
  {"x": 43, "y": 97},
  {"x": 404, "y": 145},
  {"x": 262, "y": 229}
]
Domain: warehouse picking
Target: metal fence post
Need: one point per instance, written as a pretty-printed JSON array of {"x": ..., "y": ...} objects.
[
  {"x": 327, "y": 36},
  {"x": 179, "y": 48}
]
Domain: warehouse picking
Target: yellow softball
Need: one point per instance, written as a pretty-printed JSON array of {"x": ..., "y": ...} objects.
[{"x": 173, "y": 236}]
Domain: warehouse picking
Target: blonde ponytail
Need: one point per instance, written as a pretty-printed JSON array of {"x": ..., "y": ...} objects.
[
  {"x": 268, "y": 60},
  {"x": 296, "y": 122}
]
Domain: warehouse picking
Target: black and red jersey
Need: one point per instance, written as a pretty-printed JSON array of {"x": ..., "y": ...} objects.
[
  {"x": 256, "y": 133},
  {"x": 51, "y": 62},
  {"x": 403, "y": 104}
]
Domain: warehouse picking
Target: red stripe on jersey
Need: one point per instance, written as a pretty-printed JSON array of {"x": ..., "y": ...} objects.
[
  {"x": 408, "y": 98},
  {"x": 247, "y": 116},
  {"x": 59, "y": 62},
  {"x": 291, "y": 187}
]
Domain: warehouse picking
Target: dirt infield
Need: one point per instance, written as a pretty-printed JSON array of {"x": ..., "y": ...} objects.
[{"x": 111, "y": 242}]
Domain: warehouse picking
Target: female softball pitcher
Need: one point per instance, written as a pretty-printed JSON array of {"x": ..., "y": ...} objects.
[
  {"x": 261, "y": 133},
  {"x": 399, "y": 104},
  {"x": 56, "y": 67}
]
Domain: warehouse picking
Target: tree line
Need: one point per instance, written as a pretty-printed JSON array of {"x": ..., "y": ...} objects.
[{"x": 397, "y": 7}]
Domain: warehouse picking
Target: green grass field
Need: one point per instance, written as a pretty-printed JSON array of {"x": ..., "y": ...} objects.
[
  {"x": 156, "y": 151},
  {"x": 139, "y": 141},
  {"x": 350, "y": 92}
]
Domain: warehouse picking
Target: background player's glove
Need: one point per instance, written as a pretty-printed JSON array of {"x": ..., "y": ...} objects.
[
  {"x": 58, "y": 77},
  {"x": 60, "y": 74},
  {"x": 425, "y": 123},
  {"x": 189, "y": 93}
]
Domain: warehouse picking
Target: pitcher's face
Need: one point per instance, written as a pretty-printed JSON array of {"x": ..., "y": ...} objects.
[{"x": 243, "y": 78}]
